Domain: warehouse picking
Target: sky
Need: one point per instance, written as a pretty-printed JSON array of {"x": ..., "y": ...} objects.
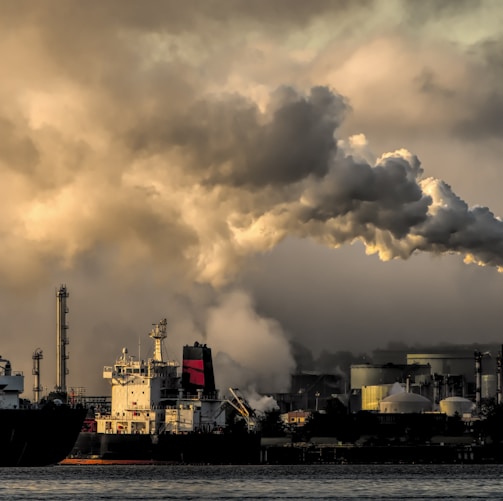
[{"x": 262, "y": 174}]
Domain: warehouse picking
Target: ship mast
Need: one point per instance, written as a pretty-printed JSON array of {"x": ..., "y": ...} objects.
[
  {"x": 61, "y": 338},
  {"x": 158, "y": 334}
]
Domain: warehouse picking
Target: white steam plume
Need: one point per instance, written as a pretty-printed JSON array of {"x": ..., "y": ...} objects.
[
  {"x": 333, "y": 194},
  {"x": 252, "y": 352}
]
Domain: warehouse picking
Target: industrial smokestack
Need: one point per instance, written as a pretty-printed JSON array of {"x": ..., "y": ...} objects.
[
  {"x": 478, "y": 378},
  {"x": 197, "y": 370},
  {"x": 37, "y": 388},
  {"x": 61, "y": 338},
  {"x": 436, "y": 398},
  {"x": 498, "y": 377}
]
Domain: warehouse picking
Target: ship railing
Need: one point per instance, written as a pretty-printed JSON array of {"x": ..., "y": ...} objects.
[
  {"x": 13, "y": 373},
  {"x": 195, "y": 396}
]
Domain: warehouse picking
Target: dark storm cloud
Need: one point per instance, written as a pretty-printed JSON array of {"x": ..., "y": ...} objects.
[
  {"x": 477, "y": 104},
  {"x": 424, "y": 11},
  {"x": 484, "y": 100},
  {"x": 395, "y": 212},
  {"x": 427, "y": 83},
  {"x": 457, "y": 228},
  {"x": 230, "y": 142},
  {"x": 151, "y": 14},
  {"x": 386, "y": 196}
]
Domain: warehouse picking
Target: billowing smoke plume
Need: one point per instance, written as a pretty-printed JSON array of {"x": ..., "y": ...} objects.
[
  {"x": 280, "y": 173},
  {"x": 252, "y": 352},
  {"x": 249, "y": 179}
]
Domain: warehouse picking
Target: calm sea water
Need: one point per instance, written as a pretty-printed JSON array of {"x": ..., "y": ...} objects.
[{"x": 253, "y": 482}]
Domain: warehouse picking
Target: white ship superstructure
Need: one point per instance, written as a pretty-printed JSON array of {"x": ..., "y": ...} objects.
[
  {"x": 11, "y": 386},
  {"x": 147, "y": 397}
]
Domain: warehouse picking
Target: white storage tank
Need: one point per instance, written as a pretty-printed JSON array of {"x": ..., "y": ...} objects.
[
  {"x": 405, "y": 403},
  {"x": 453, "y": 405}
]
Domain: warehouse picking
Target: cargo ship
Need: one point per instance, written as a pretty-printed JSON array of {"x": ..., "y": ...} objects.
[
  {"x": 34, "y": 434},
  {"x": 163, "y": 413}
]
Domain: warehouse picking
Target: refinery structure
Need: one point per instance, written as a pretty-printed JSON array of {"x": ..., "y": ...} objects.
[
  {"x": 431, "y": 407},
  {"x": 447, "y": 380},
  {"x": 455, "y": 381},
  {"x": 416, "y": 406},
  {"x": 456, "y": 375}
]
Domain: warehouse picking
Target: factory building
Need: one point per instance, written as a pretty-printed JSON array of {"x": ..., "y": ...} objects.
[
  {"x": 314, "y": 388},
  {"x": 448, "y": 381},
  {"x": 452, "y": 363},
  {"x": 296, "y": 418},
  {"x": 370, "y": 383},
  {"x": 310, "y": 390},
  {"x": 454, "y": 381},
  {"x": 376, "y": 374}
]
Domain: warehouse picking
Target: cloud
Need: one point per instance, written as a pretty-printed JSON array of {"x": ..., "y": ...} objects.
[{"x": 154, "y": 146}]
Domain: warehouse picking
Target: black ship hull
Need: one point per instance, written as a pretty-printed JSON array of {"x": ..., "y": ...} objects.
[
  {"x": 187, "y": 448},
  {"x": 38, "y": 436}
]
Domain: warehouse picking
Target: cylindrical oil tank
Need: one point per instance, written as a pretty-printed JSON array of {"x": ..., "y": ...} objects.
[
  {"x": 373, "y": 394},
  {"x": 453, "y": 405},
  {"x": 372, "y": 375},
  {"x": 405, "y": 403},
  {"x": 488, "y": 386}
]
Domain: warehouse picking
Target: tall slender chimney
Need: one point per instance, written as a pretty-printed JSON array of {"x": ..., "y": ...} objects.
[
  {"x": 498, "y": 378},
  {"x": 436, "y": 384},
  {"x": 37, "y": 387},
  {"x": 61, "y": 338},
  {"x": 478, "y": 378}
]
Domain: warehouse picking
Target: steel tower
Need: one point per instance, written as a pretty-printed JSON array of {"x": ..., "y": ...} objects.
[
  {"x": 61, "y": 338},
  {"x": 37, "y": 387}
]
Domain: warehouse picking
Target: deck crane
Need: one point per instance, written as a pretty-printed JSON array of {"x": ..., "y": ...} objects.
[{"x": 243, "y": 408}]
